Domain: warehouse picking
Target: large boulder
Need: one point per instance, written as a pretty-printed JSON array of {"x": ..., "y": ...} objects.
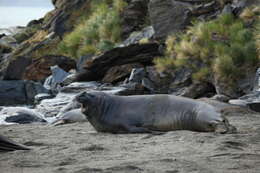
[
  {"x": 19, "y": 92},
  {"x": 97, "y": 67},
  {"x": 41, "y": 67}
]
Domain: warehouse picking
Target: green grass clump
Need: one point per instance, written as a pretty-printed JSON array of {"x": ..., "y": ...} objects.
[
  {"x": 100, "y": 32},
  {"x": 223, "y": 49}
]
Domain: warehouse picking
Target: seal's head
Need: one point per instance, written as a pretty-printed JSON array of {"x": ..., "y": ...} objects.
[
  {"x": 91, "y": 103},
  {"x": 214, "y": 121}
]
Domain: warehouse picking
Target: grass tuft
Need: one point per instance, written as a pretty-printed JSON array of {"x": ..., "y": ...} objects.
[
  {"x": 100, "y": 32},
  {"x": 225, "y": 47}
]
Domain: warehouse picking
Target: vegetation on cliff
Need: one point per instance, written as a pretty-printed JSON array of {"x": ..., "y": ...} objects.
[
  {"x": 223, "y": 49},
  {"x": 100, "y": 31}
]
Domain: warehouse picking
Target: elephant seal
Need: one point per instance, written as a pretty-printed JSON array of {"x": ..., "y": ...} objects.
[
  {"x": 71, "y": 116},
  {"x": 21, "y": 115},
  {"x": 9, "y": 145},
  {"x": 149, "y": 113}
]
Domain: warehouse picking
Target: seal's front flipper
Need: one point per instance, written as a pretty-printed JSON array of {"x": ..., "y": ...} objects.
[{"x": 9, "y": 145}]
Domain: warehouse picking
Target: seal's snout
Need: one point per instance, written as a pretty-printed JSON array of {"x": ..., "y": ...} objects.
[
  {"x": 225, "y": 127},
  {"x": 81, "y": 97}
]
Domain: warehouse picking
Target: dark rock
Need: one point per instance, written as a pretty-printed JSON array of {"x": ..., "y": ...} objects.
[
  {"x": 40, "y": 69},
  {"x": 96, "y": 67},
  {"x": 65, "y": 14},
  {"x": 172, "y": 16},
  {"x": 12, "y": 93},
  {"x": 13, "y": 69},
  {"x": 2, "y": 35},
  {"x": 32, "y": 89},
  {"x": 119, "y": 73},
  {"x": 21, "y": 115},
  {"x": 196, "y": 90},
  {"x": 134, "y": 16},
  {"x": 19, "y": 92},
  {"x": 168, "y": 17},
  {"x": 242, "y": 87},
  {"x": 255, "y": 106},
  {"x": 148, "y": 85},
  {"x": 35, "y": 22}
]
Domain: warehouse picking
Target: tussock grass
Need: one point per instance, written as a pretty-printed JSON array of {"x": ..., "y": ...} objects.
[
  {"x": 225, "y": 48},
  {"x": 100, "y": 32}
]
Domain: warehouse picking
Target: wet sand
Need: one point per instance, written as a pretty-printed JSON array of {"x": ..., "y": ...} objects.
[{"x": 77, "y": 148}]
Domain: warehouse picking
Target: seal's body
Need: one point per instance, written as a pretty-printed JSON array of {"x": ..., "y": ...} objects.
[
  {"x": 9, "y": 145},
  {"x": 146, "y": 113}
]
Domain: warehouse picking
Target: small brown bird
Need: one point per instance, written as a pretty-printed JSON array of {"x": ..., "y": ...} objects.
[{"x": 9, "y": 145}]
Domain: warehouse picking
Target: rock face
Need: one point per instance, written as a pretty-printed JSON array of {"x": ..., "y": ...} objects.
[
  {"x": 172, "y": 16},
  {"x": 97, "y": 67},
  {"x": 14, "y": 70},
  {"x": 19, "y": 92},
  {"x": 44, "y": 40},
  {"x": 134, "y": 16},
  {"x": 64, "y": 15},
  {"x": 40, "y": 68}
]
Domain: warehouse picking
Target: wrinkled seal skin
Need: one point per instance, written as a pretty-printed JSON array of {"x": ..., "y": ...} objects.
[
  {"x": 148, "y": 113},
  {"x": 9, "y": 145}
]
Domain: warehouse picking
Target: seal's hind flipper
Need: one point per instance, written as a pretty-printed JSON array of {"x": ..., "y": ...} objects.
[{"x": 9, "y": 145}]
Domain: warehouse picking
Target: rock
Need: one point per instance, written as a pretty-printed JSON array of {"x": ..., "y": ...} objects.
[
  {"x": 53, "y": 82},
  {"x": 39, "y": 97},
  {"x": 13, "y": 69},
  {"x": 137, "y": 74},
  {"x": 196, "y": 90},
  {"x": 81, "y": 62},
  {"x": 51, "y": 107},
  {"x": 221, "y": 98},
  {"x": 181, "y": 78},
  {"x": 172, "y": 16},
  {"x": 242, "y": 87},
  {"x": 97, "y": 67},
  {"x": 12, "y": 93},
  {"x": 19, "y": 92},
  {"x": 257, "y": 80},
  {"x": 40, "y": 67},
  {"x": 77, "y": 87},
  {"x": 20, "y": 115},
  {"x": 148, "y": 85},
  {"x": 136, "y": 37},
  {"x": 64, "y": 15},
  {"x": 255, "y": 106},
  {"x": 119, "y": 73},
  {"x": 32, "y": 89},
  {"x": 134, "y": 17}
]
